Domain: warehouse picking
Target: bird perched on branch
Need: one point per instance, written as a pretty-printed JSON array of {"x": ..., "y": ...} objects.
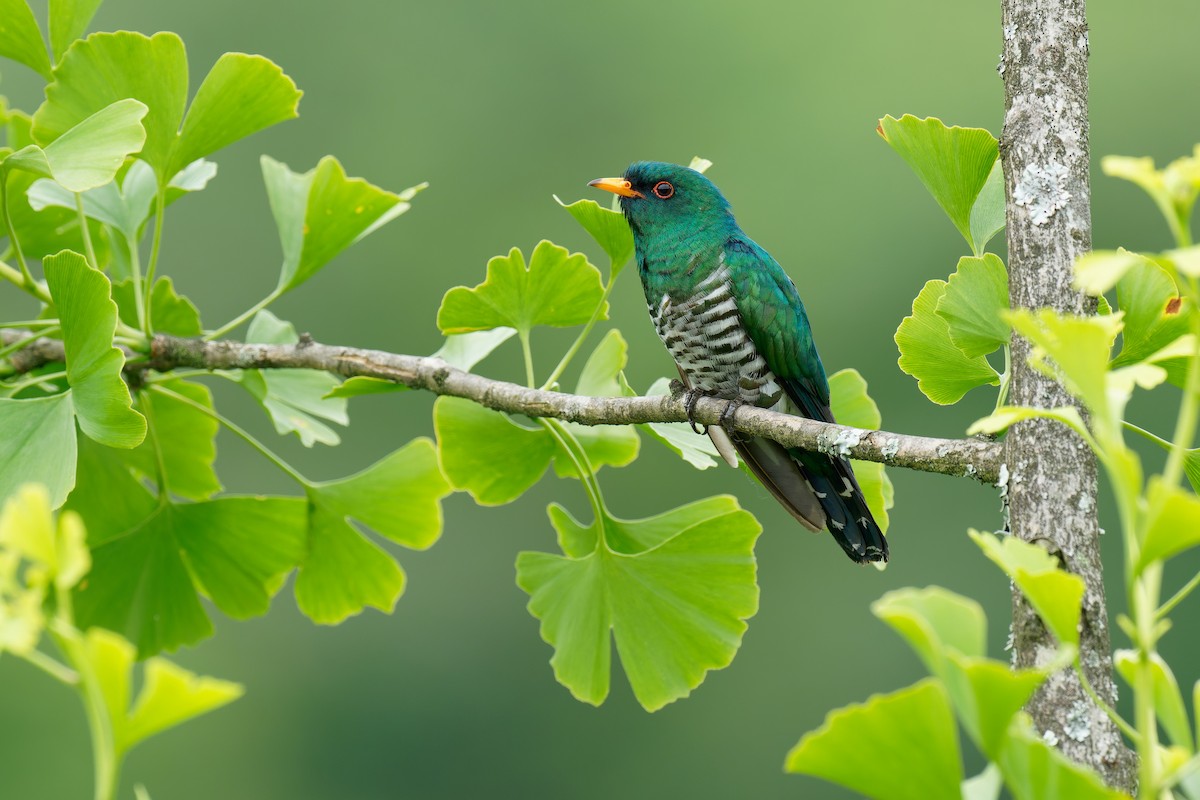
[{"x": 733, "y": 321}]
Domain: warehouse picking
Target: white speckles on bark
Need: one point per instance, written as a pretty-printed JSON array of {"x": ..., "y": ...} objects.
[
  {"x": 1043, "y": 190},
  {"x": 1044, "y": 148}
]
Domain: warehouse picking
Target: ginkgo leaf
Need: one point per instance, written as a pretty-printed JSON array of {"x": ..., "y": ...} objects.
[
  {"x": 89, "y": 154},
  {"x": 557, "y": 288},
  {"x": 1055, "y": 594},
  {"x": 975, "y": 295},
  {"x": 169, "y": 694},
  {"x": 943, "y": 372},
  {"x": 321, "y": 212},
  {"x": 955, "y": 164},
  {"x": 37, "y": 444},
  {"x": 399, "y": 498},
  {"x": 487, "y": 454},
  {"x": 675, "y": 610},
  {"x": 99, "y": 396},
  {"x": 851, "y": 405},
  {"x": 864, "y": 747},
  {"x": 241, "y": 94},
  {"x": 297, "y": 400},
  {"x": 607, "y": 227},
  {"x": 20, "y": 37}
]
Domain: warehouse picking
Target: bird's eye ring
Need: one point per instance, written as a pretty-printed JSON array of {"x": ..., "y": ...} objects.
[{"x": 663, "y": 190}]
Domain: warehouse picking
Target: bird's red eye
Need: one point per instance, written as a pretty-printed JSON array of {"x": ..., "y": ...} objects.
[{"x": 663, "y": 190}]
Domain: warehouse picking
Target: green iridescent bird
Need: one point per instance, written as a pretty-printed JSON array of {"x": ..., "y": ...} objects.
[{"x": 733, "y": 321}]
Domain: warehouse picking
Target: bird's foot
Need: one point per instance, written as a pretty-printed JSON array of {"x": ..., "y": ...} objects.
[
  {"x": 728, "y": 414},
  {"x": 690, "y": 398}
]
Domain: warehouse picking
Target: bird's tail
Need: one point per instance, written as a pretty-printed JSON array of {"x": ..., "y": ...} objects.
[
  {"x": 819, "y": 491},
  {"x": 849, "y": 519}
]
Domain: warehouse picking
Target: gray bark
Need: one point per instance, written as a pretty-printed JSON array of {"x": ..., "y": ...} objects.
[{"x": 1052, "y": 484}]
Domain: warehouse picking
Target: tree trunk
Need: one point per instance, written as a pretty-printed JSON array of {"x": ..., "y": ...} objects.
[{"x": 1052, "y": 474}]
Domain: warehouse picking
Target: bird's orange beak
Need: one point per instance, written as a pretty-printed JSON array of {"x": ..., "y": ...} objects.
[{"x": 616, "y": 186}]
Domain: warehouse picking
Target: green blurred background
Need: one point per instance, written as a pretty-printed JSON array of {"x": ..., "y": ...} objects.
[{"x": 499, "y": 106}]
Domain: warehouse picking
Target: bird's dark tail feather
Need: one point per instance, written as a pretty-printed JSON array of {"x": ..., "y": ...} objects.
[
  {"x": 819, "y": 491},
  {"x": 850, "y": 521}
]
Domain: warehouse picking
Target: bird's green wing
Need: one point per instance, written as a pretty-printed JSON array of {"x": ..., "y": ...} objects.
[{"x": 774, "y": 317}]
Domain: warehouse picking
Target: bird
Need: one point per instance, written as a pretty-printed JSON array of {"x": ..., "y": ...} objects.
[{"x": 734, "y": 323}]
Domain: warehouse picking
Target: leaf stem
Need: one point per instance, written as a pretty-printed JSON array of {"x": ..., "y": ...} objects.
[
  {"x": 21, "y": 344},
  {"x": 31, "y": 323},
  {"x": 85, "y": 232},
  {"x": 1178, "y": 597},
  {"x": 1005, "y": 379},
  {"x": 583, "y": 335},
  {"x": 527, "y": 353},
  {"x": 241, "y": 432},
  {"x": 587, "y": 476},
  {"x": 160, "y": 207},
  {"x": 1117, "y": 719},
  {"x": 160, "y": 465},
  {"x": 51, "y": 666},
  {"x": 26, "y": 278},
  {"x": 34, "y": 381},
  {"x": 245, "y": 315}
]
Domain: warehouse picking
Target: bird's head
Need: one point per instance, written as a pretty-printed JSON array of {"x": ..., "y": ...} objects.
[{"x": 667, "y": 200}]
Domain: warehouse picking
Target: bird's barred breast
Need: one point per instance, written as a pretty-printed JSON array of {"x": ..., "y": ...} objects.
[{"x": 705, "y": 336}]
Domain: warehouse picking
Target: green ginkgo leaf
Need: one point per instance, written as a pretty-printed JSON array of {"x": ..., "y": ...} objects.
[
  {"x": 944, "y": 373},
  {"x": 399, "y": 498},
  {"x": 89, "y": 154},
  {"x": 1154, "y": 313},
  {"x": 955, "y": 164},
  {"x": 321, "y": 212},
  {"x": 142, "y": 585},
  {"x": 1168, "y": 700},
  {"x": 675, "y": 610},
  {"x": 1033, "y": 770},
  {"x": 1080, "y": 349},
  {"x": 851, "y": 405},
  {"x": 172, "y": 313},
  {"x": 241, "y": 95},
  {"x": 127, "y": 203},
  {"x": 486, "y": 454},
  {"x": 69, "y": 21},
  {"x": 1174, "y": 529},
  {"x": 557, "y": 288},
  {"x": 297, "y": 400},
  {"x": 20, "y": 37},
  {"x": 185, "y": 446},
  {"x": 864, "y": 747},
  {"x": 89, "y": 317},
  {"x": 152, "y": 560},
  {"x": 1098, "y": 271},
  {"x": 37, "y": 444},
  {"x": 694, "y": 448},
  {"x": 975, "y": 295},
  {"x": 169, "y": 694},
  {"x": 934, "y": 621},
  {"x": 607, "y": 227},
  {"x": 1056, "y": 595}
]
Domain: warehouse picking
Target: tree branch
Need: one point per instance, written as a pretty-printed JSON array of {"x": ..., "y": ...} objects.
[
  {"x": 1052, "y": 486},
  {"x": 974, "y": 458}
]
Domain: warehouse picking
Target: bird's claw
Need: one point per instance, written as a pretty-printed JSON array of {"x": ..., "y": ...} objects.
[
  {"x": 728, "y": 414},
  {"x": 690, "y": 398}
]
